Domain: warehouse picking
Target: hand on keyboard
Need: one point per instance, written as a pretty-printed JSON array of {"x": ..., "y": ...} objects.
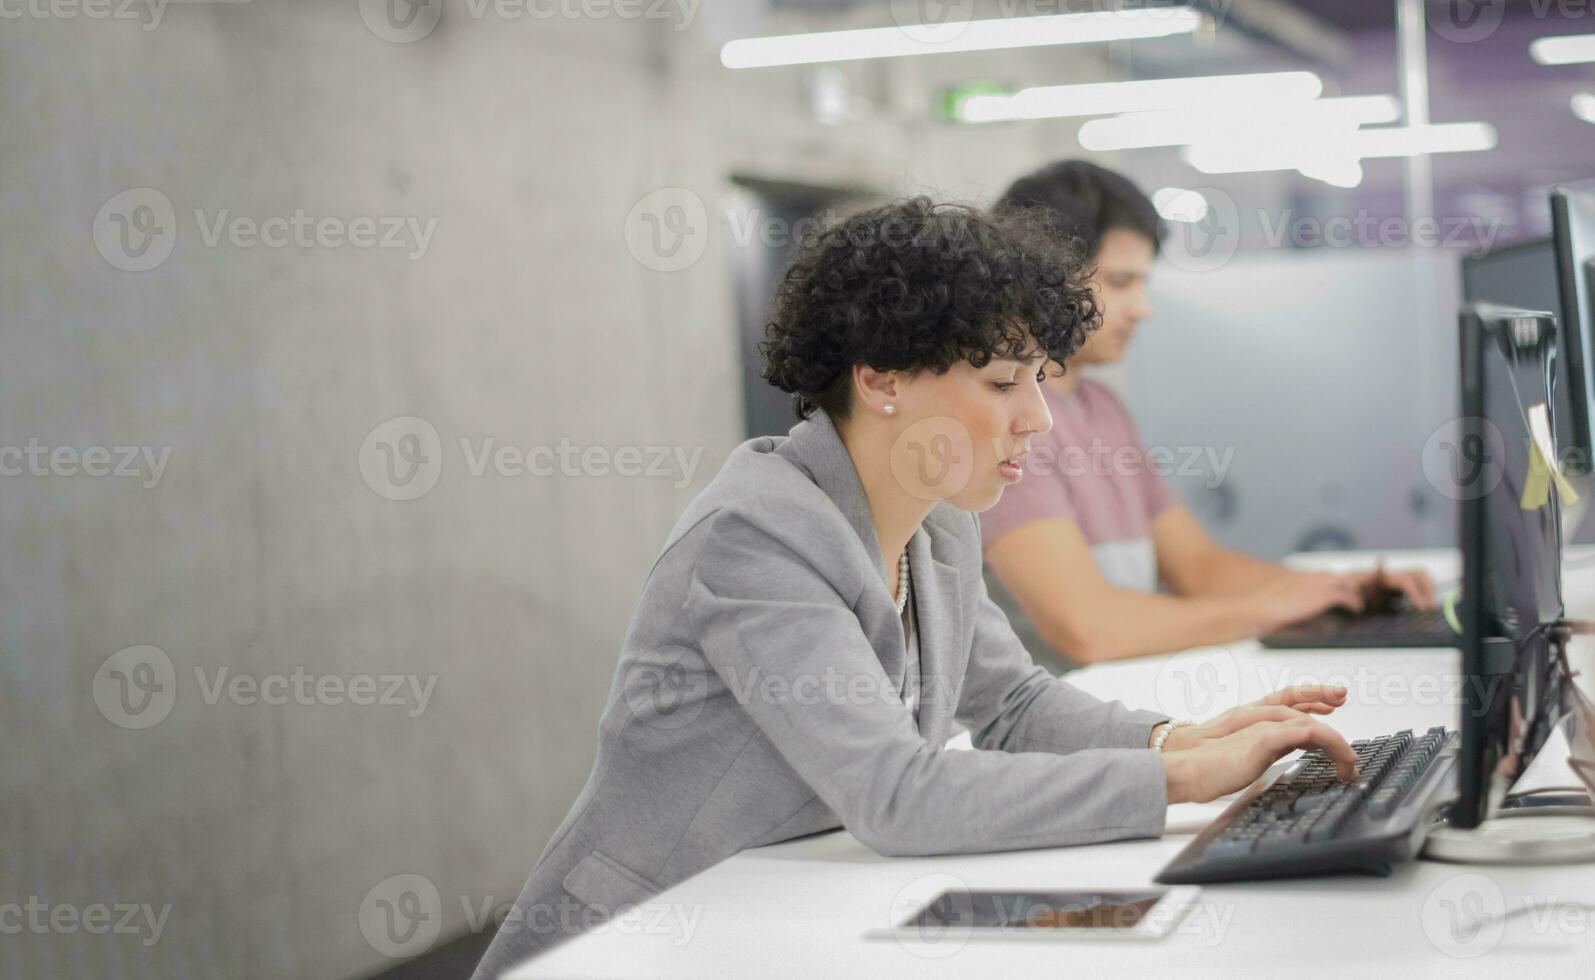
[
  {"x": 1222, "y": 765},
  {"x": 1282, "y": 705},
  {"x": 1387, "y": 591},
  {"x": 1296, "y": 596}
]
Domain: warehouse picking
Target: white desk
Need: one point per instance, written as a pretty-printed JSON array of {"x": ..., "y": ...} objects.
[{"x": 799, "y": 909}]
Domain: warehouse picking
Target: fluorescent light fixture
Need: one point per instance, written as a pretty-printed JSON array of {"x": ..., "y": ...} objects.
[
  {"x": 955, "y": 35},
  {"x": 1584, "y": 106},
  {"x": 1105, "y": 98},
  {"x": 1334, "y": 154},
  {"x": 1336, "y": 171},
  {"x": 1411, "y": 141},
  {"x": 1167, "y": 127},
  {"x": 1179, "y": 204},
  {"x": 1568, "y": 49}
]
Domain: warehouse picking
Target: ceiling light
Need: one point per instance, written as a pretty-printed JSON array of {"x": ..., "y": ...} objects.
[{"x": 955, "y": 35}]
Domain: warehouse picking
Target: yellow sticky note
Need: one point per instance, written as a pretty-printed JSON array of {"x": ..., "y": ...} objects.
[
  {"x": 1545, "y": 451},
  {"x": 1537, "y": 483}
]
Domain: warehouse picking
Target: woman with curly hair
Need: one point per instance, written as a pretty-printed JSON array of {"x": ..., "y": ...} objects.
[{"x": 818, "y": 620}]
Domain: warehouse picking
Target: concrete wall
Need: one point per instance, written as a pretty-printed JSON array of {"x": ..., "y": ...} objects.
[{"x": 268, "y": 544}]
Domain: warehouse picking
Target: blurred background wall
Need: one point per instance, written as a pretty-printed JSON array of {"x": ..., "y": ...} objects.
[{"x": 290, "y": 290}]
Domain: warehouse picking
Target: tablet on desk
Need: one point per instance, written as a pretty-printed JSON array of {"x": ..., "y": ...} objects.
[{"x": 958, "y": 914}]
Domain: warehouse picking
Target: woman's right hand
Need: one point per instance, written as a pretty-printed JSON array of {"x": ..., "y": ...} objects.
[
  {"x": 1218, "y": 766},
  {"x": 1301, "y": 595}
]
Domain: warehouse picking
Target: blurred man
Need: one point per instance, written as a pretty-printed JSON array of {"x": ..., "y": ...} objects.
[{"x": 1081, "y": 543}]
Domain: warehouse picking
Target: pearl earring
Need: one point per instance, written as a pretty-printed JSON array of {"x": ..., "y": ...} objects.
[{"x": 890, "y": 408}]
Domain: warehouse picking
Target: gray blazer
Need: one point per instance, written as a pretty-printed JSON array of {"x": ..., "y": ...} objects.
[{"x": 757, "y": 700}]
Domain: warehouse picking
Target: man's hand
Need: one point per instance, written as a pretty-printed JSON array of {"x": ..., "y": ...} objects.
[
  {"x": 1296, "y": 596},
  {"x": 1381, "y": 587}
]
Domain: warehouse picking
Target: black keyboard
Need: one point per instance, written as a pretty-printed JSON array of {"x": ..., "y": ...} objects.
[
  {"x": 1338, "y": 628},
  {"x": 1310, "y": 821}
]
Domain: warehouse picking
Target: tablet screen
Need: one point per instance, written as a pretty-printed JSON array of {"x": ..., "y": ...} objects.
[{"x": 1037, "y": 909}]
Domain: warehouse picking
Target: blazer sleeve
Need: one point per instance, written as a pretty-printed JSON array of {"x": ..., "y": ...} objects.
[
  {"x": 1011, "y": 704},
  {"x": 789, "y": 647}
]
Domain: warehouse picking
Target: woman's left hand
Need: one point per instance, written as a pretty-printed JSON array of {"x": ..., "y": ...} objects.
[{"x": 1282, "y": 705}]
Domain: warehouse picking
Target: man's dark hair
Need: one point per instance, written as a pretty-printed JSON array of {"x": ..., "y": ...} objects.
[
  {"x": 1086, "y": 201},
  {"x": 916, "y": 285}
]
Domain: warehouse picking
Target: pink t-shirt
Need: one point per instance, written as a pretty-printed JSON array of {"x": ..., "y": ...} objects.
[{"x": 1091, "y": 469}]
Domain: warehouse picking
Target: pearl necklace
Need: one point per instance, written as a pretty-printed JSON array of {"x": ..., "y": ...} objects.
[{"x": 902, "y": 582}]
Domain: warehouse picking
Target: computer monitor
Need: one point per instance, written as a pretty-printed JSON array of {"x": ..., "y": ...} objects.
[
  {"x": 1518, "y": 682},
  {"x": 1573, "y": 231},
  {"x": 1525, "y": 276}
]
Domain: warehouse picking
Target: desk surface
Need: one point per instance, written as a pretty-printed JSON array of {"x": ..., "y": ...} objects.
[{"x": 801, "y": 908}]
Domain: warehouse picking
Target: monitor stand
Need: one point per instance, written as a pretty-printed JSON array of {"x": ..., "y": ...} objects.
[
  {"x": 1573, "y": 514},
  {"x": 1546, "y": 825},
  {"x": 1555, "y": 825}
]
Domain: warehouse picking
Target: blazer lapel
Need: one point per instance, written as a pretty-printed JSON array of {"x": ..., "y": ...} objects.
[
  {"x": 939, "y": 604},
  {"x": 816, "y": 443}
]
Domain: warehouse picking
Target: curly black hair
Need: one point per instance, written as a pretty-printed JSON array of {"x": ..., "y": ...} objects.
[{"x": 915, "y": 285}]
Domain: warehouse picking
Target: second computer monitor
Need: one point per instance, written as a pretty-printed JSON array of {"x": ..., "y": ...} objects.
[
  {"x": 1554, "y": 274},
  {"x": 1573, "y": 232}
]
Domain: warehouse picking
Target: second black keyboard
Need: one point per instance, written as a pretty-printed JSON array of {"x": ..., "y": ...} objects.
[
  {"x": 1310, "y": 821},
  {"x": 1337, "y": 628}
]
